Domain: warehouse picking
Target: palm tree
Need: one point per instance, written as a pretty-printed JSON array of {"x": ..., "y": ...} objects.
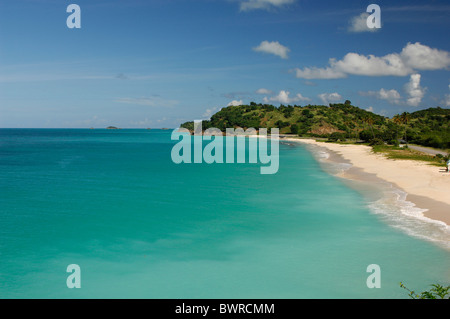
[
  {"x": 405, "y": 118},
  {"x": 369, "y": 121},
  {"x": 349, "y": 130},
  {"x": 397, "y": 120}
]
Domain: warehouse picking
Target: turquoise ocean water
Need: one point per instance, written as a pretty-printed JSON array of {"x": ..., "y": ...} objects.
[{"x": 140, "y": 226}]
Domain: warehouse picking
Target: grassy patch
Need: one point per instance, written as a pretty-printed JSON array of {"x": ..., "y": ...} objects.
[{"x": 400, "y": 153}]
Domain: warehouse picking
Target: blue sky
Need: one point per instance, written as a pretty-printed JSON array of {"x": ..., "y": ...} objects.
[{"x": 158, "y": 63}]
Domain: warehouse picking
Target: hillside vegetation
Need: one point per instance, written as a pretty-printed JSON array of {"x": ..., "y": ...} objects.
[{"x": 430, "y": 127}]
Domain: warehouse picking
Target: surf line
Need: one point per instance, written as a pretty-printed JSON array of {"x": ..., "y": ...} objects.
[{"x": 213, "y": 152}]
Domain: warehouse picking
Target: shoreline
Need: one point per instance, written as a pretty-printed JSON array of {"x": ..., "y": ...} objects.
[{"x": 425, "y": 186}]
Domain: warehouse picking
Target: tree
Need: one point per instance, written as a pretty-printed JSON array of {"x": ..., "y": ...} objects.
[
  {"x": 397, "y": 120},
  {"x": 336, "y": 136},
  {"x": 294, "y": 129},
  {"x": 347, "y": 102},
  {"x": 365, "y": 135},
  {"x": 351, "y": 128},
  {"x": 405, "y": 118},
  {"x": 369, "y": 121}
]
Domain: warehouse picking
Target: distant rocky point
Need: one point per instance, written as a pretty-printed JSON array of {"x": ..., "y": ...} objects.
[{"x": 112, "y": 128}]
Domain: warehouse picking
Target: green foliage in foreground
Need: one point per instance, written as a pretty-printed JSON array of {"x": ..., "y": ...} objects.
[
  {"x": 436, "y": 292},
  {"x": 338, "y": 122}
]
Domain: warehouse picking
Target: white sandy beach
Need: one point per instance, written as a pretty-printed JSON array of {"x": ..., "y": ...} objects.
[{"x": 428, "y": 187}]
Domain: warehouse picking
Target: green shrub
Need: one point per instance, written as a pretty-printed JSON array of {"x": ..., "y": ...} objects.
[
  {"x": 376, "y": 141},
  {"x": 395, "y": 143},
  {"x": 436, "y": 292},
  {"x": 336, "y": 136}
]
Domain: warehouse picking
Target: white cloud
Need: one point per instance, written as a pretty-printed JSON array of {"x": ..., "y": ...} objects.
[
  {"x": 414, "y": 56},
  {"x": 283, "y": 97},
  {"x": 148, "y": 101},
  {"x": 447, "y": 100},
  {"x": 369, "y": 109},
  {"x": 273, "y": 47},
  {"x": 327, "y": 98},
  {"x": 235, "y": 103},
  {"x": 318, "y": 73},
  {"x": 422, "y": 57},
  {"x": 359, "y": 24},
  {"x": 263, "y": 4},
  {"x": 371, "y": 65},
  {"x": 263, "y": 91},
  {"x": 389, "y": 95},
  {"x": 414, "y": 90}
]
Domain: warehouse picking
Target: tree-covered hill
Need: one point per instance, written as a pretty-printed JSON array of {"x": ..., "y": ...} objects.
[{"x": 430, "y": 127}]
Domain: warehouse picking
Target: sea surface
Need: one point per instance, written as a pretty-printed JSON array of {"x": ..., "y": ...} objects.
[{"x": 140, "y": 226}]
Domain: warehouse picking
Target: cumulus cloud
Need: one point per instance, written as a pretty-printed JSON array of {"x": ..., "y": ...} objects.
[
  {"x": 283, "y": 97},
  {"x": 414, "y": 90},
  {"x": 235, "y": 103},
  {"x": 273, "y": 47},
  {"x": 414, "y": 56},
  {"x": 371, "y": 65},
  {"x": 263, "y": 4},
  {"x": 327, "y": 98},
  {"x": 421, "y": 57},
  {"x": 389, "y": 95},
  {"x": 263, "y": 91},
  {"x": 359, "y": 24},
  {"x": 447, "y": 100}
]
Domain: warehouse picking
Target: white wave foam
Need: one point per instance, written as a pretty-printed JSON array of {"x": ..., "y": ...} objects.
[
  {"x": 393, "y": 207},
  {"x": 402, "y": 214},
  {"x": 323, "y": 155},
  {"x": 335, "y": 168}
]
